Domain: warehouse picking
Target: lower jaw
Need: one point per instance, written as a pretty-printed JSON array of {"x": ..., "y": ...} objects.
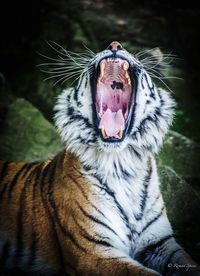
[
  {"x": 107, "y": 139},
  {"x": 112, "y": 147}
]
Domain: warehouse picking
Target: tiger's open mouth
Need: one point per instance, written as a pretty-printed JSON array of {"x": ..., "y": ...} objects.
[{"x": 114, "y": 99}]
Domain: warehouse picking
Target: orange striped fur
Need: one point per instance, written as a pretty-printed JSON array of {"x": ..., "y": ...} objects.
[{"x": 44, "y": 209}]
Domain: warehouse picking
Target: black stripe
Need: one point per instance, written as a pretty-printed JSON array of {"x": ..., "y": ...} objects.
[
  {"x": 20, "y": 221},
  {"x": 144, "y": 193},
  {"x": 57, "y": 220},
  {"x": 152, "y": 249},
  {"x": 4, "y": 189},
  {"x": 86, "y": 197},
  {"x": 76, "y": 94},
  {"x": 76, "y": 90},
  {"x": 86, "y": 141},
  {"x": 135, "y": 152},
  {"x": 5, "y": 253},
  {"x": 154, "y": 202},
  {"x": 96, "y": 220},
  {"x": 123, "y": 215},
  {"x": 79, "y": 117},
  {"x": 153, "y": 220},
  {"x": 116, "y": 171},
  {"x": 89, "y": 237},
  {"x": 50, "y": 216},
  {"x": 34, "y": 240},
  {"x": 105, "y": 187},
  {"x": 96, "y": 241},
  {"x": 16, "y": 177},
  {"x": 151, "y": 87},
  {"x": 125, "y": 174},
  {"x": 70, "y": 111},
  {"x": 2, "y": 176},
  {"x": 4, "y": 170},
  {"x": 54, "y": 209},
  {"x": 86, "y": 82},
  {"x": 142, "y": 127}
]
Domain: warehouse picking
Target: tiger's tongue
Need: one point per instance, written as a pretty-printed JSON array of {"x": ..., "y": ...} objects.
[{"x": 112, "y": 122}]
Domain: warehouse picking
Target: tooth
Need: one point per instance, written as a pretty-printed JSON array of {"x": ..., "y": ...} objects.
[
  {"x": 126, "y": 113},
  {"x": 128, "y": 78},
  {"x": 103, "y": 131},
  {"x": 125, "y": 66},
  {"x": 120, "y": 133},
  {"x": 102, "y": 67}
]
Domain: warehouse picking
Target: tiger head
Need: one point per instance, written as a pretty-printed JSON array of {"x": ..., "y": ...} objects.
[{"x": 114, "y": 107}]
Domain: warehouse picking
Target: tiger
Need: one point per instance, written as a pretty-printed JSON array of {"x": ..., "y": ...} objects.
[{"x": 96, "y": 207}]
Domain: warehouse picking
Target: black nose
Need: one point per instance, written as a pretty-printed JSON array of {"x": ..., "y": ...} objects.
[{"x": 115, "y": 46}]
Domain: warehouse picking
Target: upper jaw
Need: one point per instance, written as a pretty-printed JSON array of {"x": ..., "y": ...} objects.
[{"x": 113, "y": 93}]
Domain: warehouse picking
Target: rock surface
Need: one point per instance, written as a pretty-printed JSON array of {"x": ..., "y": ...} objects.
[
  {"x": 183, "y": 155},
  {"x": 182, "y": 204},
  {"x": 27, "y": 135}
]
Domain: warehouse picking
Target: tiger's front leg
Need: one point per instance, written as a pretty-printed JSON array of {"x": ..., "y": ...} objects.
[
  {"x": 112, "y": 263},
  {"x": 169, "y": 258},
  {"x": 91, "y": 247}
]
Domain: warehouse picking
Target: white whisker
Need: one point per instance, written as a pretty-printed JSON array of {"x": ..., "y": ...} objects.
[{"x": 67, "y": 65}]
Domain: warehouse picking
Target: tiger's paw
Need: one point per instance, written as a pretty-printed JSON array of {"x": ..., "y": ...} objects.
[{"x": 149, "y": 272}]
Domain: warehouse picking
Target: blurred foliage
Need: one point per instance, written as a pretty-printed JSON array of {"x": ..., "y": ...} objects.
[{"x": 27, "y": 135}]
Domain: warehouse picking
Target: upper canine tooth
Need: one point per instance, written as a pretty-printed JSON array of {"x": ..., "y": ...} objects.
[
  {"x": 120, "y": 133},
  {"x": 102, "y": 67},
  {"x": 125, "y": 65}
]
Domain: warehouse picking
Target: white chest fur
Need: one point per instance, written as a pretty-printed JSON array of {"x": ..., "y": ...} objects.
[{"x": 130, "y": 200}]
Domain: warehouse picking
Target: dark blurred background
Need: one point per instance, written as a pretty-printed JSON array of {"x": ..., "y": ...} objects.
[
  {"x": 27, "y": 25},
  {"x": 25, "y": 123}
]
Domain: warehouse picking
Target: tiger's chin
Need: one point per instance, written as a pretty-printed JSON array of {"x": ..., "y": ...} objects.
[{"x": 108, "y": 147}]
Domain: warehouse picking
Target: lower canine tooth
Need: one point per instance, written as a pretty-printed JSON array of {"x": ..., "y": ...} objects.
[
  {"x": 99, "y": 78},
  {"x": 120, "y": 133},
  {"x": 103, "y": 131}
]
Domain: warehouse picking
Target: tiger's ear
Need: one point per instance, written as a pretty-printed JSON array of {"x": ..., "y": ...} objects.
[
  {"x": 157, "y": 54},
  {"x": 151, "y": 57}
]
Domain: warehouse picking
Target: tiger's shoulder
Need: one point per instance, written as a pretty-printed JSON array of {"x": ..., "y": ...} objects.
[{"x": 14, "y": 175}]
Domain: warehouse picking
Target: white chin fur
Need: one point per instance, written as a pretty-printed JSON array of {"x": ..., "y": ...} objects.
[{"x": 111, "y": 147}]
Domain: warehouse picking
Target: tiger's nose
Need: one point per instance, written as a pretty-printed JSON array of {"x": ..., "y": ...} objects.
[{"x": 115, "y": 46}]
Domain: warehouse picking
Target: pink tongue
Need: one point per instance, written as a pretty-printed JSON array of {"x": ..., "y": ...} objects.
[{"x": 112, "y": 122}]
